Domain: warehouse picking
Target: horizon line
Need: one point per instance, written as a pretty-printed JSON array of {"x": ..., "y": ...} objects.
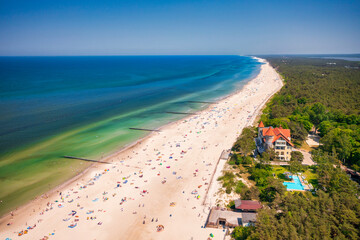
[
  {"x": 149, "y": 55},
  {"x": 139, "y": 55}
]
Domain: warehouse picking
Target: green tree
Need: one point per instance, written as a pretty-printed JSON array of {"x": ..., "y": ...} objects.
[
  {"x": 260, "y": 176},
  {"x": 304, "y": 120},
  {"x": 298, "y": 132},
  {"x": 267, "y": 156},
  {"x": 252, "y": 194},
  {"x": 297, "y": 156},
  {"x": 242, "y": 233},
  {"x": 274, "y": 188},
  {"x": 318, "y": 114},
  {"x": 246, "y": 143},
  {"x": 325, "y": 127},
  {"x": 339, "y": 141},
  {"x": 295, "y": 166}
]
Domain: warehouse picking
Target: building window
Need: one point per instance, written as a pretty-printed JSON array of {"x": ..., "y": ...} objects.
[{"x": 281, "y": 153}]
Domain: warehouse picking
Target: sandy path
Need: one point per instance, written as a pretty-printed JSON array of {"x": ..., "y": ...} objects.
[{"x": 165, "y": 167}]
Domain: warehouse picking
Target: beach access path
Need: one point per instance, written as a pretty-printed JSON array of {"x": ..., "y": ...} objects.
[{"x": 161, "y": 180}]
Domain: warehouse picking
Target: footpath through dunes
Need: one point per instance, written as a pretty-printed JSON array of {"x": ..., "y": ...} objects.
[{"x": 159, "y": 182}]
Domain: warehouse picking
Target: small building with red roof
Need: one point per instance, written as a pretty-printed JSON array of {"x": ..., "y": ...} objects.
[
  {"x": 247, "y": 205},
  {"x": 277, "y": 138}
]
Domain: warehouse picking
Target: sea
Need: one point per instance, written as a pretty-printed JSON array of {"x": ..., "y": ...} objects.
[{"x": 84, "y": 106}]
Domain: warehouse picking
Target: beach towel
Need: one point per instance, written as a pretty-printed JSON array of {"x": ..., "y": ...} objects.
[{"x": 72, "y": 225}]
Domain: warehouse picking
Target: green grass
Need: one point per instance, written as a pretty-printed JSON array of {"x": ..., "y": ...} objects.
[
  {"x": 310, "y": 174},
  {"x": 279, "y": 172},
  {"x": 311, "y": 177}
]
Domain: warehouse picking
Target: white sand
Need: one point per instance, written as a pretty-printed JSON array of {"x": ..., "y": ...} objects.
[{"x": 202, "y": 138}]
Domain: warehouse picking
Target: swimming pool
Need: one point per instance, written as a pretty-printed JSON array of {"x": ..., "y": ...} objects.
[{"x": 296, "y": 185}]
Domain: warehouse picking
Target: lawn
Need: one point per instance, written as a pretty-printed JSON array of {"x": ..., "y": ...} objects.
[
  {"x": 279, "y": 172},
  {"x": 310, "y": 174},
  {"x": 311, "y": 177}
]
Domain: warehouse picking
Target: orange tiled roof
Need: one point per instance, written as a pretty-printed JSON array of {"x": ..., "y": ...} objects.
[
  {"x": 269, "y": 132},
  {"x": 278, "y": 133},
  {"x": 285, "y": 132},
  {"x": 283, "y": 137},
  {"x": 261, "y": 124}
]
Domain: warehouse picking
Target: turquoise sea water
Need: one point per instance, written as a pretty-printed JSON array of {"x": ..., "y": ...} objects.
[{"x": 84, "y": 107}]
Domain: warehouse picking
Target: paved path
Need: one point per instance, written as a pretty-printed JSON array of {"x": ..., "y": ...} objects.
[
  {"x": 307, "y": 158},
  {"x": 313, "y": 140}
]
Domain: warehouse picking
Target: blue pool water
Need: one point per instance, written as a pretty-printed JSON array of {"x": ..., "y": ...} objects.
[{"x": 296, "y": 185}]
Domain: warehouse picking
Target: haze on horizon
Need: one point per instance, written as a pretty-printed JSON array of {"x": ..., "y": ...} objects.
[{"x": 149, "y": 27}]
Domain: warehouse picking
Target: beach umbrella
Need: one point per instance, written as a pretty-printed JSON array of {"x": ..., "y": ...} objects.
[
  {"x": 159, "y": 228},
  {"x": 211, "y": 235}
]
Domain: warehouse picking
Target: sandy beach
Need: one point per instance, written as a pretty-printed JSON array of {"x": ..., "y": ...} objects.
[{"x": 160, "y": 181}]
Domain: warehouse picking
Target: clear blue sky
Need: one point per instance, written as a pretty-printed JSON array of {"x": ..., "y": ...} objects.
[{"x": 135, "y": 27}]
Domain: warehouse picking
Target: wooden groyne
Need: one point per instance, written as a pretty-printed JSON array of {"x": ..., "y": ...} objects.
[
  {"x": 185, "y": 113},
  {"x": 84, "y": 159},
  {"x": 201, "y": 102},
  {"x": 144, "y": 129}
]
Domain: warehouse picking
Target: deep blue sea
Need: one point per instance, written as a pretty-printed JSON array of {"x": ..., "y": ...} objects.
[{"x": 84, "y": 106}]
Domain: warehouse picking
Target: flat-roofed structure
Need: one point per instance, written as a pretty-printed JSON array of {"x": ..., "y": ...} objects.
[
  {"x": 248, "y": 219},
  {"x": 220, "y": 217}
]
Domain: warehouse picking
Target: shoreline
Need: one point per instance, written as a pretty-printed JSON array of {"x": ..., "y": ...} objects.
[
  {"x": 76, "y": 177},
  {"x": 248, "y": 88}
]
